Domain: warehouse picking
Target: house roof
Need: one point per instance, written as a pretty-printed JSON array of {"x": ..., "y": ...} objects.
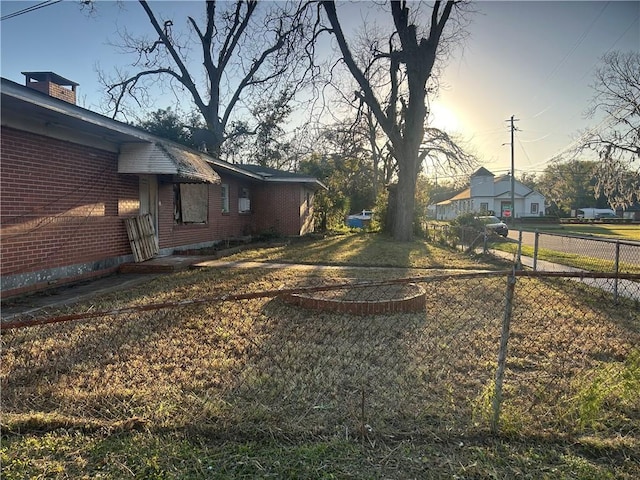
[
  {"x": 466, "y": 194},
  {"x": 482, "y": 172},
  {"x": 463, "y": 195},
  {"x": 33, "y": 109},
  {"x": 280, "y": 176},
  {"x": 168, "y": 159},
  {"x": 139, "y": 151},
  {"x": 29, "y": 109}
]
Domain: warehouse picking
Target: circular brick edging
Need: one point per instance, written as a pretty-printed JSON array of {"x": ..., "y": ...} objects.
[{"x": 409, "y": 298}]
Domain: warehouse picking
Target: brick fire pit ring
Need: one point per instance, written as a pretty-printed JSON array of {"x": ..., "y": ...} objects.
[{"x": 363, "y": 299}]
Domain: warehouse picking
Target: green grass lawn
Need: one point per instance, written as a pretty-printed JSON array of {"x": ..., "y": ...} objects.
[
  {"x": 614, "y": 231},
  {"x": 258, "y": 388},
  {"x": 570, "y": 259}
]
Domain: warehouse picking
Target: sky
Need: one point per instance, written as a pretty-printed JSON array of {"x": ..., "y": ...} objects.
[{"x": 532, "y": 60}]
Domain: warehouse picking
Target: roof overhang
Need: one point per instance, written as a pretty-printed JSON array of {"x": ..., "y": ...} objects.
[
  {"x": 313, "y": 183},
  {"x": 25, "y": 108},
  {"x": 232, "y": 169},
  {"x": 264, "y": 174},
  {"x": 165, "y": 158}
]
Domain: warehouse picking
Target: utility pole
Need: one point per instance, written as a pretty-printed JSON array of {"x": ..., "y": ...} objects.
[{"x": 513, "y": 178}]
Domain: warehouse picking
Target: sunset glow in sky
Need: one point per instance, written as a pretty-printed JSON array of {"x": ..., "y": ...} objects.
[{"x": 534, "y": 60}]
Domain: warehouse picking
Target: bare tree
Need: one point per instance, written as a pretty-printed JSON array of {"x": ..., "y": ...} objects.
[
  {"x": 401, "y": 110},
  {"x": 244, "y": 51},
  {"x": 617, "y": 139}
]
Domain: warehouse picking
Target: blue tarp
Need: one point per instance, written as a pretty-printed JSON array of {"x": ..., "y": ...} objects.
[{"x": 360, "y": 220}]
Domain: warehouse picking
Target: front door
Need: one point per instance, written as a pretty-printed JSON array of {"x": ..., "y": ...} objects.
[{"x": 149, "y": 199}]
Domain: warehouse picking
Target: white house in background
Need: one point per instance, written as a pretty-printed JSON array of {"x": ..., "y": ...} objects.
[{"x": 488, "y": 194}]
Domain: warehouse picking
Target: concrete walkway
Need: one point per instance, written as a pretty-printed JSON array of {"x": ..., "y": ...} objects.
[{"x": 129, "y": 276}]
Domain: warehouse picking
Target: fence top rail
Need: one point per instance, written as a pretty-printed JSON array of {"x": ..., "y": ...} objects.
[
  {"x": 33, "y": 321},
  {"x": 588, "y": 237}
]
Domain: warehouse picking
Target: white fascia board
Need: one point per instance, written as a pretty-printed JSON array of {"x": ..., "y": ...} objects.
[{"x": 312, "y": 180}]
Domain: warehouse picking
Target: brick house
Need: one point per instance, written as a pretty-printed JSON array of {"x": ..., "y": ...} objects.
[{"x": 69, "y": 177}]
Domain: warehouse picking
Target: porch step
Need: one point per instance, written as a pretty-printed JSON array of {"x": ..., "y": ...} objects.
[{"x": 168, "y": 264}]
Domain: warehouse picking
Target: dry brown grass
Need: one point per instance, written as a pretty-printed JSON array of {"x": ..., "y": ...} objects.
[{"x": 401, "y": 396}]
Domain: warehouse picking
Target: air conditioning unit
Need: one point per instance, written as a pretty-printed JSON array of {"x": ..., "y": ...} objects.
[{"x": 244, "y": 205}]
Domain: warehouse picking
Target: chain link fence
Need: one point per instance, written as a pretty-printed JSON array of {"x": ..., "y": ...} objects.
[
  {"x": 527, "y": 352},
  {"x": 463, "y": 237},
  {"x": 556, "y": 250},
  {"x": 588, "y": 253}
]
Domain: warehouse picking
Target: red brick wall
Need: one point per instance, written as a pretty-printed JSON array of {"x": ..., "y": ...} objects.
[
  {"x": 220, "y": 226},
  {"x": 62, "y": 205},
  {"x": 59, "y": 205},
  {"x": 281, "y": 207},
  {"x": 274, "y": 207}
]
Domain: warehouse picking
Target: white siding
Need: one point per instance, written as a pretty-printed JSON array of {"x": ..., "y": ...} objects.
[{"x": 145, "y": 159}]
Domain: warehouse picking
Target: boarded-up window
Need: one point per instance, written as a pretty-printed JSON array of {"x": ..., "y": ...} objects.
[{"x": 192, "y": 203}]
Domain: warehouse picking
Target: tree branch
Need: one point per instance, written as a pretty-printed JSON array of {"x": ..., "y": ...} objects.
[{"x": 385, "y": 122}]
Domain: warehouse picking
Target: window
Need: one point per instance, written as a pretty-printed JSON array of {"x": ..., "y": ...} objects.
[
  {"x": 244, "y": 204},
  {"x": 484, "y": 207},
  {"x": 534, "y": 208},
  {"x": 225, "y": 197},
  {"x": 191, "y": 203}
]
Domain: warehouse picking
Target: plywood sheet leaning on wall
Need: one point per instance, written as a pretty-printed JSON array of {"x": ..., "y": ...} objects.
[{"x": 142, "y": 237}]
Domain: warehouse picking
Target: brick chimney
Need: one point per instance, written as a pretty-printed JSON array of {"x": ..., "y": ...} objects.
[{"x": 52, "y": 84}]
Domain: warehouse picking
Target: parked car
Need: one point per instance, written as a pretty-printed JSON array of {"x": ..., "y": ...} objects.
[{"x": 494, "y": 224}]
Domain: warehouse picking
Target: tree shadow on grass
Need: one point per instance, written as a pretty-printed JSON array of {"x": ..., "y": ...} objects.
[{"x": 327, "y": 374}]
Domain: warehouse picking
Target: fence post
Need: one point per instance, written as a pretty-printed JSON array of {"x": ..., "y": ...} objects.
[
  {"x": 535, "y": 250},
  {"x": 502, "y": 354},
  {"x": 519, "y": 256},
  {"x": 616, "y": 271}
]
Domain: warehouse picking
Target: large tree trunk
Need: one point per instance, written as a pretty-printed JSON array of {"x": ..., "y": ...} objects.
[
  {"x": 418, "y": 56},
  {"x": 408, "y": 166},
  {"x": 405, "y": 204}
]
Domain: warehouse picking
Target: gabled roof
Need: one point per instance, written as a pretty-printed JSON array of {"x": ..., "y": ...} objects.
[
  {"x": 482, "y": 172},
  {"x": 463, "y": 195}
]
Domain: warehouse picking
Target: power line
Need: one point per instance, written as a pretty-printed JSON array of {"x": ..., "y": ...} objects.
[
  {"x": 32, "y": 8},
  {"x": 633, "y": 22},
  {"x": 572, "y": 50}
]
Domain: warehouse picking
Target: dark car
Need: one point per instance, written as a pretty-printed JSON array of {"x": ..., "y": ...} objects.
[{"x": 494, "y": 224}]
